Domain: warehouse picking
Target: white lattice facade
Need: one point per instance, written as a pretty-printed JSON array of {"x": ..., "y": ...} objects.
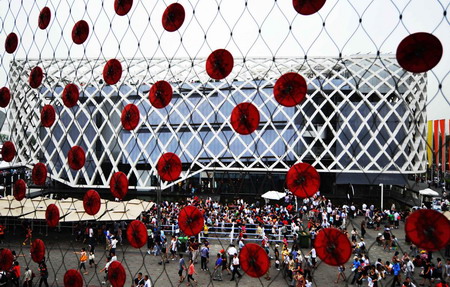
[{"x": 362, "y": 114}]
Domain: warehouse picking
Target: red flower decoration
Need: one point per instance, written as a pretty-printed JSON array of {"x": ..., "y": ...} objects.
[
  {"x": 137, "y": 234},
  {"x": 44, "y": 18},
  {"x": 245, "y": 118},
  {"x": 48, "y": 116},
  {"x": 73, "y": 278},
  {"x": 190, "y": 220},
  {"x": 130, "y": 117},
  {"x": 36, "y": 76},
  {"x": 119, "y": 185},
  {"x": 333, "y": 246},
  {"x": 70, "y": 95},
  {"x": 169, "y": 166},
  {"x": 6, "y": 259},
  {"x": 160, "y": 94},
  {"x": 428, "y": 229},
  {"x": 5, "y": 97},
  {"x": 11, "y": 43},
  {"x": 76, "y": 158},
  {"x": 52, "y": 215},
  {"x": 290, "y": 89},
  {"x": 116, "y": 274},
  {"x": 8, "y": 151},
  {"x": 307, "y": 7},
  {"x": 91, "y": 202},
  {"x": 112, "y": 72},
  {"x": 37, "y": 250},
  {"x": 39, "y": 174},
  {"x": 219, "y": 64},
  {"x": 254, "y": 260},
  {"x": 122, "y": 7},
  {"x": 303, "y": 180},
  {"x": 419, "y": 52},
  {"x": 80, "y": 32},
  {"x": 19, "y": 189},
  {"x": 173, "y": 17}
]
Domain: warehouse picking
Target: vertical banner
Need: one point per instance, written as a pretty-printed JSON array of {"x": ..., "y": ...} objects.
[
  {"x": 430, "y": 143},
  {"x": 442, "y": 145},
  {"x": 436, "y": 143}
]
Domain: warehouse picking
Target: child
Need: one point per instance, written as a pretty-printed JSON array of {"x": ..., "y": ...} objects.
[{"x": 277, "y": 264}]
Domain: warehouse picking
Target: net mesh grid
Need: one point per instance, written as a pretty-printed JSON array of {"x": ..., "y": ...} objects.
[{"x": 266, "y": 40}]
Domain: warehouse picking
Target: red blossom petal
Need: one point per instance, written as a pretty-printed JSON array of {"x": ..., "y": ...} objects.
[
  {"x": 245, "y": 118},
  {"x": 169, "y": 166},
  {"x": 307, "y": 7},
  {"x": 173, "y": 17},
  {"x": 332, "y": 246},
  {"x": 290, "y": 89},
  {"x": 254, "y": 260},
  {"x": 137, "y": 234},
  {"x": 119, "y": 185},
  {"x": 190, "y": 220},
  {"x": 91, "y": 202},
  {"x": 44, "y": 18},
  {"x": 76, "y": 158},
  {"x": 219, "y": 64},
  {"x": 80, "y": 32}
]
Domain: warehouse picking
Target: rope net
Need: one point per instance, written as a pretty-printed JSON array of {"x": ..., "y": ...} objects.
[{"x": 113, "y": 99}]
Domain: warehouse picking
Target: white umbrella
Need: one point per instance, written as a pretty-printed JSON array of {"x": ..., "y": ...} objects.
[
  {"x": 429, "y": 192},
  {"x": 273, "y": 194}
]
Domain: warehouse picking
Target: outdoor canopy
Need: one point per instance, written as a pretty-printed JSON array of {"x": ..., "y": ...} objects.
[{"x": 274, "y": 195}]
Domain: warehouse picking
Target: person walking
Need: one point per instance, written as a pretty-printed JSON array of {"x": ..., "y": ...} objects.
[
  {"x": 217, "y": 274},
  {"x": 83, "y": 260},
  {"x": 43, "y": 271},
  {"x": 181, "y": 267},
  {"x": 191, "y": 272},
  {"x": 28, "y": 278},
  {"x": 341, "y": 273},
  {"x": 147, "y": 283},
  {"x": 204, "y": 257},
  {"x": 235, "y": 264},
  {"x": 105, "y": 269},
  {"x": 15, "y": 273},
  {"x": 28, "y": 235}
]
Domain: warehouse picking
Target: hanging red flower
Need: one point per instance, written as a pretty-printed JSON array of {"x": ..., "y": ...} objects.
[
  {"x": 8, "y": 151},
  {"x": 419, "y": 52},
  {"x": 119, "y": 185},
  {"x": 332, "y": 246},
  {"x": 190, "y": 220},
  {"x": 80, "y": 32},
  {"x": 19, "y": 189},
  {"x": 428, "y": 229},
  {"x": 70, "y": 95},
  {"x": 112, "y": 72},
  {"x": 160, "y": 94},
  {"x": 6, "y": 259},
  {"x": 76, "y": 158},
  {"x": 36, "y": 76},
  {"x": 290, "y": 89},
  {"x": 73, "y": 278},
  {"x": 52, "y": 215},
  {"x": 5, "y": 97},
  {"x": 39, "y": 174},
  {"x": 122, "y": 7},
  {"x": 303, "y": 180},
  {"x": 137, "y": 234},
  {"x": 44, "y": 18},
  {"x": 307, "y": 7},
  {"x": 37, "y": 250},
  {"x": 245, "y": 118},
  {"x": 169, "y": 166},
  {"x": 254, "y": 260},
  {"x": 173, "y": 17},
  {"x": 219, "y": 64},
  {"x": 11, "y": 43},
  {"x": 48, "y": 116},
  {"x": 91, "y": 202},
  {"x": 116, "y": 274},
  {"x": 130, "y": 117}
]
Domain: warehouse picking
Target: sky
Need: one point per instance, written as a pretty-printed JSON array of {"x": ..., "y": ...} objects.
[{"x": 253, "y": 28}]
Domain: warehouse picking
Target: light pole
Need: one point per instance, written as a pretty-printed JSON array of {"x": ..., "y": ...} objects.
[{"x": 382, "y": 195}]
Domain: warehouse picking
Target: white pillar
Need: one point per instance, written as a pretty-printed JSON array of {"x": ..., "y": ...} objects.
[{"x": 382, "y": 195}]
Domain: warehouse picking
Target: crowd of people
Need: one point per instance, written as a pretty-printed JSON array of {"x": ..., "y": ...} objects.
[{"x": 277, "y": 228}]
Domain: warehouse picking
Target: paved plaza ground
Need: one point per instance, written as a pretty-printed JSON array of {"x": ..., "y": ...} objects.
[{"x": 60, "y": 256}]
